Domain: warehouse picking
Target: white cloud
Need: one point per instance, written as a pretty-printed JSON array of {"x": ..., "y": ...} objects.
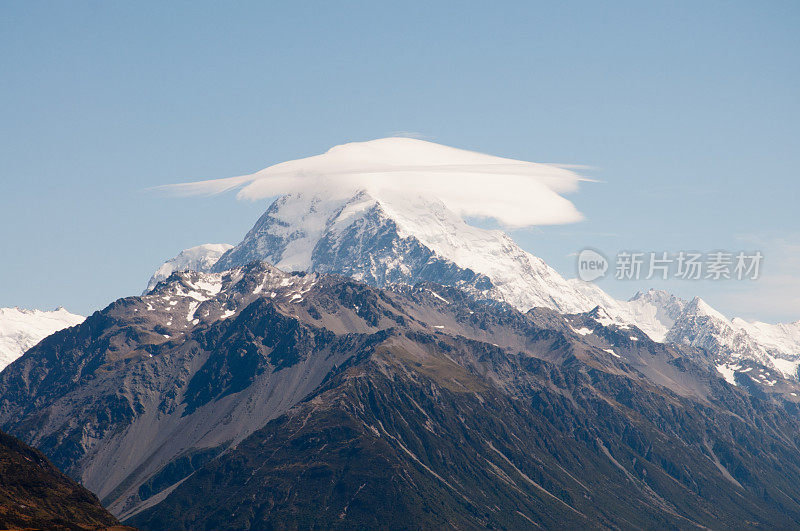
[{"x": 513, "y": 192}]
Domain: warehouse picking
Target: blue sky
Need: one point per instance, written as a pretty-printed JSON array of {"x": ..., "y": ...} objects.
[{"x": 687, "y": 112}]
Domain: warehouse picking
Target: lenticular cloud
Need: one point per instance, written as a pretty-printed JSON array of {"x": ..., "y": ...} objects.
[{"x": 513, "y": 192}]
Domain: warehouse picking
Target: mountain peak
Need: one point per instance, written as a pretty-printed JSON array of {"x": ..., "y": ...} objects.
[
  {"x": 385, "y": 237},
  {"x": 200, "y": 258},
  {"x": 698, "y": 306},
  {"x": 653, "y": 295}
]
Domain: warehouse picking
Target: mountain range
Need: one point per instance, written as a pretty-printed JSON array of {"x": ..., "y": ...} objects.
[
  {"x": 370, "y": 359},
  {"x": 250, "y": 396}
]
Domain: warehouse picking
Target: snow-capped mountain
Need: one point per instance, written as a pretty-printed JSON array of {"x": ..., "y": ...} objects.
[
  {"x": 697, "y": 324},
  {"x": 392, "y": 210},
  {"x": 701, "y": 325},
  {"x": 199, "y": 258},
  {"x": 385, "y": 239},
  {"x": 21, "y": 329},
  {"x": 781, "y": 337}
]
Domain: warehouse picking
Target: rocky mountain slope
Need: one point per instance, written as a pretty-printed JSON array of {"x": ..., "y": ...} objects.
[
  {"x": 35, "y": 495},
  {"x": 253, "y": 396},
  {"x": 21, "y": 329},
  {"x": 418, "y": 435}
]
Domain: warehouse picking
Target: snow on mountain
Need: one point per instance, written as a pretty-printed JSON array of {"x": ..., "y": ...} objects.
[
  {"x": 655, "y": 311},
  {"x": 391, "y": 210},
  {"x": 782, "y": 337},
  {"x": 21, "y": 329},
  {"x": 696, "y": 323},
  {"x": 387, "y": 238},
  {"x": 731, "y": 341},
  {"x": 199, "y": 258}
]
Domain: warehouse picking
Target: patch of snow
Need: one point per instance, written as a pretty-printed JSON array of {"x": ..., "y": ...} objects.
[
  {"x": 601, "y": 316},
  {"x": 439, "y": 297},
  {"x": 787, "y": 367},
  {"x": 192, "y": 308},
  {"x": 727, "y": 371},
  {"x": 654, "y": 312}
]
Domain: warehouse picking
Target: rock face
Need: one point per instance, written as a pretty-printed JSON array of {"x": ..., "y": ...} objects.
[
  {"x": 200, "y": 258},
  {"x": 35, "y": 495},
  {"x": 21, "y": 329},
  {"x": 257, "y": 398}
]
